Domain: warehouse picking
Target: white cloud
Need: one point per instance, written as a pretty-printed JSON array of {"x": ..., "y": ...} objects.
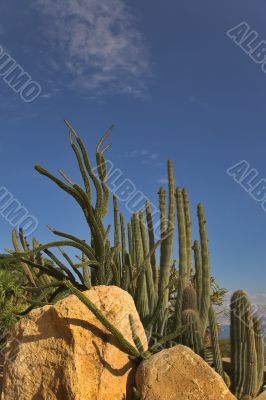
[
  {"x": 163, "y": 181},
  {"x": 146, "y": 156},
  {"x": 99, "y": 43},
  {"x": 46, "y": 95}
]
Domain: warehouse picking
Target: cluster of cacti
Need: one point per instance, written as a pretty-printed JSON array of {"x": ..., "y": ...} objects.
[
  {"x": 247, "y": 348},
  {"x": 174, "y": 304}
]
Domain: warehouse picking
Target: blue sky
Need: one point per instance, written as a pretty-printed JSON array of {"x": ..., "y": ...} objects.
[{"x": 175, "y": 86}]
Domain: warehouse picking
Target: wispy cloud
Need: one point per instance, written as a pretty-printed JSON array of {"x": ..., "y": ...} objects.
[
  {"x": 145, "y": 156},
  {"x": 163, "y": 181},
  {"x": 99, "y": 43}
]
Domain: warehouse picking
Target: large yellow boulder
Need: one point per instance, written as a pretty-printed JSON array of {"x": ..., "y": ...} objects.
[{"x": 62, "y": 352}]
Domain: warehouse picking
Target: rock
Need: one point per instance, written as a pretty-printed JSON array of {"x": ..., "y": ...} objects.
[
  {"x": 62, "y": 352},
  {"x": 262, "y": 396},
  {"x": 179, "y": 374},
  {"x": 1, "y": 370}
]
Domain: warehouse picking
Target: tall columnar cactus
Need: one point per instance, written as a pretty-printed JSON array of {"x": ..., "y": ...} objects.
[
  {"x": 151, "y": 290},
  {"x": 198, "y": 270},
  {"x": 260, "y": 350},
  {"x": 117, "y": 244},
  {"x": 166, "y": 253},
  {"x": 153, "y": 261},
  {"x": 183, "y": 272},
  {"x": 243, "y": 347},
  {"x": 141, "y": 294},
  {"x": 188, "y": 229},
  {"x": 204, "y": 301}
]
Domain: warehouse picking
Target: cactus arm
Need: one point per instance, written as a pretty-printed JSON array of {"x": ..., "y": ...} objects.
[
  {"x": 183, "y": 279},
  {"x": 149, "y": 221},
  {"x": 60, "y": 264},
  {"x": 141, "y": 294},
  {"x": 60, "y": 184},
  {"x": 166, "y": 255},
  {"x": 70, "y": 262},
  {"x": 23, "y": 264},
  {"x": 82, "y": 247},
  {"x": 86, "y": 275},
  {"x": 147, "y": 267},
  {"x": 198, "y": 271},
  {"x": 117, "y": 246},
  {"x": 188, "y": 229},
  {"x": 124, "y": 344},
  {"x": 205, "y": 300},
  {"x": 134, "y": 335},
  {"x": 81, "y": 166}
]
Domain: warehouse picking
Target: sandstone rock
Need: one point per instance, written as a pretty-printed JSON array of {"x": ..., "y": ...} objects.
[
  {"x": 179, "y": 374},
  {"x": 262, "y": 396},
  {"x": 62, "y": 352}
]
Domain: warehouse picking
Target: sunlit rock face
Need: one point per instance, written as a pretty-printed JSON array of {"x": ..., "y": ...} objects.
[
  {"x": 179, "y": 374},
  {"x": 62, "y": 351}
]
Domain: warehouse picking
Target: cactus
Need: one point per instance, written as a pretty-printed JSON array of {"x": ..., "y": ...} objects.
[
  {"x": 130, "y": 262},
  {"x": 192, "y": 336},
  {"x": 198, "y": 270},
  {"x": 189, "y": 299},
  {"x": 243, "y": 347},
  {"x": 188, "y": 230},
  {"x": 259, "y": 343},
  {"x": 217, "y": 358},
  {"x": 151, "y": 291},
  {"x": 166, "y": 254},
  {"x": 150, "y": 228},
  {"x": 174, "y": 305},
  {"x": 206, "y": 282},
  {"x": 183, "y": 277}
]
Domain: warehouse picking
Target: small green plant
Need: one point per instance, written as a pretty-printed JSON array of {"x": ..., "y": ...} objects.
[{"x": 12, "y": 301}]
